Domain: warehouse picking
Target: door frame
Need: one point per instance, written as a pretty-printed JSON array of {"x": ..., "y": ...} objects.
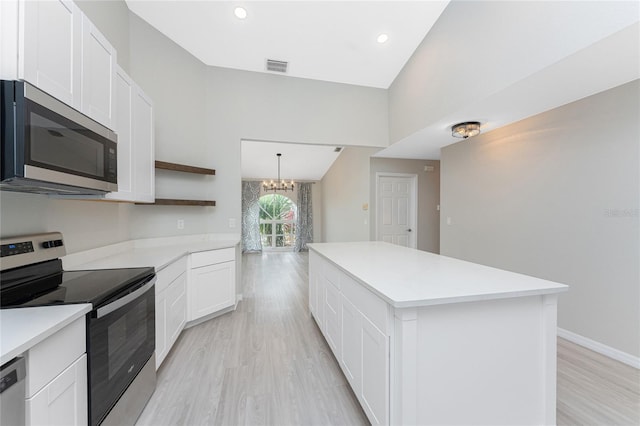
[{"x": 414, "y": 196}]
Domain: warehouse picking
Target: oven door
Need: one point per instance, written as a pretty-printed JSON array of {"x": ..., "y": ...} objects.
[{"x": 120, "y": 340}]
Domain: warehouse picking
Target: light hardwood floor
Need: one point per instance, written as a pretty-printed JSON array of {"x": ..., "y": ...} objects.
[{"x": 267, "y": 363}]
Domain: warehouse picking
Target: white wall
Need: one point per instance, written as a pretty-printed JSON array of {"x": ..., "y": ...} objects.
[
  {"x": 202, "y": 113},
  {"x": 557, "y": 196},
  {"x": 175, "y": 81},
  {"x": 248, "y": 105},
  {"x": 345, "y": 190},
  {"x": 84, "y": 224}
]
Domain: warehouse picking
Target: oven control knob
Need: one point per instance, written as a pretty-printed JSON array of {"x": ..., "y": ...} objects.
[{"x": 47, "y": 244}]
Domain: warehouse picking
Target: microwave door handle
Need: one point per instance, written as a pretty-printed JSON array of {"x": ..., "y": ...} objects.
[{"x": 116, "y": 304}]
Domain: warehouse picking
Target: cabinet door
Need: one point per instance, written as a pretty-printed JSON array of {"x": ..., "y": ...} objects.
[
  {"x": 162, "y": 347},
  {"x": 9, "y": 40},
  {"x": 98, "y": 74},
  {"x": 63, "y": 401},
  {"x": 320, "y": 305},
  {"x": 212, "y": 289},
  {"x": 333, "y": 318},
  {"x": 124, "y": 93},
  {"x": 375, "y": 373},
  {"x": 143, "y": 147},
  {"x": 312, "y": 284},
  {"x": 176, "y": 308},
  {"x": 50, "y": 38},
  {"x": 351, "y": 359}
]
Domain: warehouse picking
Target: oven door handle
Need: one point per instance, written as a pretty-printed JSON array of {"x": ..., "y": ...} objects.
[{"x": 116, "y": 304}]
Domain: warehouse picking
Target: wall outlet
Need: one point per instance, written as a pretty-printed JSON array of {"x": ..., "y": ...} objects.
[
  {"x": 429, "y": 168},
  {"x": 180, "y": 223},
  {"x": 232, "y": 223}
]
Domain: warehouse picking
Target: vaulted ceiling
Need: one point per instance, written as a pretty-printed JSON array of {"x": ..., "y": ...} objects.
[{"x": 496, "y": 62}]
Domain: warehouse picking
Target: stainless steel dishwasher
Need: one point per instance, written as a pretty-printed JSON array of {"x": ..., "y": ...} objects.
[{"x": 12, "y": 392}]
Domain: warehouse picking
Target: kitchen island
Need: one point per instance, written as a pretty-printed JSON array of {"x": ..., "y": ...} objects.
[{"x": 428, "y": 339}]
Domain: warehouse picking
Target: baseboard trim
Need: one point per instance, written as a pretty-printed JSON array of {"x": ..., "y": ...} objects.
[{"x": 601, "y": 348}]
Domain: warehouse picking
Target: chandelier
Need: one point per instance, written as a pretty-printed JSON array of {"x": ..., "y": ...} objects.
[{"x": 279, "y": 185}]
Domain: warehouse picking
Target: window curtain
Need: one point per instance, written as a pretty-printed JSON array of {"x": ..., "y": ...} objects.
[
  {"x": 304, "y": 225},
  {"x": 251, "y": 217}
]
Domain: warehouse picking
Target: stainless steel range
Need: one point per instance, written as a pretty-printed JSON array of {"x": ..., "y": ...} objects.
[{"x": 120, "y": 328}]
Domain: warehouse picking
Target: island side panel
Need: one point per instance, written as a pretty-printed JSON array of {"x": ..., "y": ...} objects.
[
  {"x": 485, "y": 362},
  {"x": 550, "y": 354}
]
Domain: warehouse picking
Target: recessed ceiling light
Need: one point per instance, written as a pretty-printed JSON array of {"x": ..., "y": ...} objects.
[
  {"x": 240, "y": 12},
  {"x": 382, "y": 38}
]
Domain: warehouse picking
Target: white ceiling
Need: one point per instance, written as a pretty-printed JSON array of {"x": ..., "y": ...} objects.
[
  {"x": 299, "y": 162},
  {"x": 497, "y": 62},
  {"x": 321, "y": 40},
  {"x": 529, "y": 57}
]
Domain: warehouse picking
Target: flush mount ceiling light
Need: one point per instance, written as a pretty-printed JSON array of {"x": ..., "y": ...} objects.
[
  {"x": 466, "y": 129},
  {"x": 240, "y": 12},
  {"x": 279, "y": 185},
  {"x": 382, "y": 38}
]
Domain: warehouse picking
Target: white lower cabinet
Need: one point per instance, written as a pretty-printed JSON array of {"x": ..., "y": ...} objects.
[
  {"x": 375, "y": 372},
  {"x": 211, "y": 289},
  {"x": 333, "y": 318},
  {"x": 351, "y": 360},
  {"x": 171, "y": 306},
  {"x": 212, "y": 282},
  {"x": 56, "y": 383},
  {"x": 349, "y": 317},
  {"x": 63, "y": 401}
]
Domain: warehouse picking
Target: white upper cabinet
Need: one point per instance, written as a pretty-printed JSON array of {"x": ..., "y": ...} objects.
[
  {"x": 133, "y": 123},
  {"x": 55, "y": 47},
  {"x": 143, "y": 148},
  {"x": 98, "y": 75},
  {"x": 124, "y": 91},
  {"x": 49, "y": 48}
]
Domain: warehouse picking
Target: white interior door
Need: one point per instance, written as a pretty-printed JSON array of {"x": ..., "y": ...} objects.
[{"x": 396, "y": 209}]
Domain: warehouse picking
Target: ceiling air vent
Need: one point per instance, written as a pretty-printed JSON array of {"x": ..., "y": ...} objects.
[{"x": 277, "y": 66}]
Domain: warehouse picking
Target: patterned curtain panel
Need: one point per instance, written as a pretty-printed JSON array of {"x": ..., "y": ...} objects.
[
  {"x": 304, "y": 227},
  {"x": 251, "y": 217}
]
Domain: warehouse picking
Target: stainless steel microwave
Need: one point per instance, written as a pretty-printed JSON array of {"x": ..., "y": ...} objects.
[{"x": 49, "y": 147}]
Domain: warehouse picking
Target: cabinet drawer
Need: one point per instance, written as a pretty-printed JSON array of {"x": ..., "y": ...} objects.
[
  {"x": 370, "y": 305},
  {"x": 50, "y": 357},
  {"x": 169, "y": 273},
  {"x": 211, "y": 257}
]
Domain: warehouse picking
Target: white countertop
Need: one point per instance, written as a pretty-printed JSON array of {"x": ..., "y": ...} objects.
[
  {"x": 23, "y": 328},
  {"x": 158, "y": 257},
  {"x": 406, "y": 277}
]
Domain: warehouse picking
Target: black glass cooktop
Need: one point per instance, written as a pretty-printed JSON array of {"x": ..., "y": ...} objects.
[{"x": 47, "y": 284}]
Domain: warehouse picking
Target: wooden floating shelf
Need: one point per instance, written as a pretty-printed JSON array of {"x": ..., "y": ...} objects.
[
  {"x": 170, "y": 202},
  {"x": 183, "y": 168}
]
